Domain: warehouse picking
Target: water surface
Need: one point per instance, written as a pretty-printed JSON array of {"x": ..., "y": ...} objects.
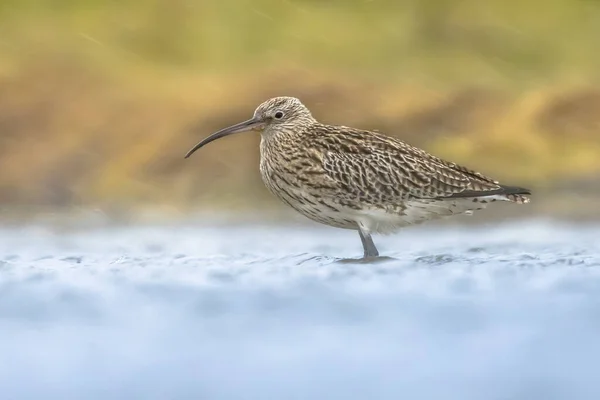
[{"x": 269, "y": 312}]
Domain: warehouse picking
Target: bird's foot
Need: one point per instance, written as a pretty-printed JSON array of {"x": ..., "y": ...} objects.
[{"x": 365, "y": 260}]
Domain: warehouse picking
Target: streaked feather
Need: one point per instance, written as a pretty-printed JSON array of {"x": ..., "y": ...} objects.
[{"x": 346, "y": 177}]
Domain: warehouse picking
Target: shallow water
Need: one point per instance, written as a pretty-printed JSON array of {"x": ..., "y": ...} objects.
[{"x": 241, "y": 312}]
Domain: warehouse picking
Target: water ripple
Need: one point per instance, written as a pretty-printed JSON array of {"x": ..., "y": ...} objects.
[{"x": 457, "y": 314}]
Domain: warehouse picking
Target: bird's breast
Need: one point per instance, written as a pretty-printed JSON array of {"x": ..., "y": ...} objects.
[
  {"x": 279, "y": 178},
  {"x": 286, "y": 180}
]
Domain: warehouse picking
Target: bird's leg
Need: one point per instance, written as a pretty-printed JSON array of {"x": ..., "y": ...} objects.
[{"x": 367, "y": 242}]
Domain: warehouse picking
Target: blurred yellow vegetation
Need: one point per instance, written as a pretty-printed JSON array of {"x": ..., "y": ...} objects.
[{"x": 100, "y": 100}]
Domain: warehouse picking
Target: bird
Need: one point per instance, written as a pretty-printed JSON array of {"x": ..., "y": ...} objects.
[{"x": 358, "y": 179}]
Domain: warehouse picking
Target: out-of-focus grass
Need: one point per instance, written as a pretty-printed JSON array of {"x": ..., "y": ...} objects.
[
  {"x": 99, "y": 100},
  {"x": 508, "y": 42},
  {"x": 442, "y": 41}
]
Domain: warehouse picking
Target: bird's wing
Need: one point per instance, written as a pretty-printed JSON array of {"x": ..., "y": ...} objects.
[{"x": 378, "y": 168}]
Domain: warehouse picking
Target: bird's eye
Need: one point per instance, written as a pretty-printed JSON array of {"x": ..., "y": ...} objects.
[{"x": 279, "y": 115}]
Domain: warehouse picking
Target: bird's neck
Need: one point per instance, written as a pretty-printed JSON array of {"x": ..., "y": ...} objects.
[
  {"x": 283, "y": 133},
  {"x": 280, "y": 140}
]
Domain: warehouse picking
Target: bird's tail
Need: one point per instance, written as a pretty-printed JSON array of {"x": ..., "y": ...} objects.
[
  {"x": 518, "y": 198},
  {"x": 516, "y": 194}
]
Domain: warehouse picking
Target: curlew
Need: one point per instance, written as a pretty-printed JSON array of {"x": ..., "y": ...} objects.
[{"x": 356, "y": 179}]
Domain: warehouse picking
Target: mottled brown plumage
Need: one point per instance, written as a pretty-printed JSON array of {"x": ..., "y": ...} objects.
[{"x": 357, "y": 179}]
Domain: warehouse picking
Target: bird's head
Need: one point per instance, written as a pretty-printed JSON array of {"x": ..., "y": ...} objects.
[{"x": 279, "y": 114}]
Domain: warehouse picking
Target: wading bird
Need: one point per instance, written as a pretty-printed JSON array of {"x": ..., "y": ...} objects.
[{"x": 356, "y": 179}]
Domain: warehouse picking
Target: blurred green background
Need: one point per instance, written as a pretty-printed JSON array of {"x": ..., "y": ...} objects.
[{"x": 100, "y": 100}]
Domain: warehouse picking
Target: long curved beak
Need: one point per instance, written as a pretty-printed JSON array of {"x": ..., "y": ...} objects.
[{"x": 251, "y": 124}]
